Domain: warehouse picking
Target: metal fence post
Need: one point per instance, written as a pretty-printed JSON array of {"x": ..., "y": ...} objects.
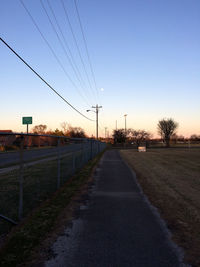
[
  {"x": 58, "y": 164},
  {"x": 88, "y": 151},
  {"x": 74, "y": 162},
  {"x": 82, "y": 149},
  {"x": 21, "y": 178},
  {"x": 91, "y": 148},
  {"x": 85, "y": 152}
]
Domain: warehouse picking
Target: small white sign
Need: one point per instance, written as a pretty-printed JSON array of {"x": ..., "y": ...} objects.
[{"x": 141, "y": 149}]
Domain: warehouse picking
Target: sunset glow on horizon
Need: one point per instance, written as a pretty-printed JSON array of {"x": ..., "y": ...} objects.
[{"x": 145, "y": 57}]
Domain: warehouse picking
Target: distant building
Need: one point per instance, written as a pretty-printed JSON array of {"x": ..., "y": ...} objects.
[{"x": 6, "y": 140}]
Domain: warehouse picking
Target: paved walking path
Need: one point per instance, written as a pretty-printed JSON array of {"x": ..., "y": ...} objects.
[{"x": 117, "y": 228}]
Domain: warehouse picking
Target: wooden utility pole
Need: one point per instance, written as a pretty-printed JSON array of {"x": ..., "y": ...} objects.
[{"x": 97, "y": 123}]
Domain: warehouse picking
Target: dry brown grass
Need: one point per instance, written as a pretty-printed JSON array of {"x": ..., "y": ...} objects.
[{"x": 171, "y": 180}]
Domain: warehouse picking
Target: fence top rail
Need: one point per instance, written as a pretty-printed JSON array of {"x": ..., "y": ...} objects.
[{"x": 48, "y": 135}]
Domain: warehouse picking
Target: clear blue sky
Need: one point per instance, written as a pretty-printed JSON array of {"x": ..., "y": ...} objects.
[{"x": 145, "y": 55}]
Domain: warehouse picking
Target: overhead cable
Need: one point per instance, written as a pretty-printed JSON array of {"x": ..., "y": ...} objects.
[
  {"x": 76, "y": 43},
  {"x": 44, "y": 80},
  {"x": 60, "y": 41},
  {"x": 86, "y": 47},
  {"x": 52, "y": 51},
  {"x": 64, "y": 39}
]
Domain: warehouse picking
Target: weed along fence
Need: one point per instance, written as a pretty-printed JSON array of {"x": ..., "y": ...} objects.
[{"x": 36, "y": 167}]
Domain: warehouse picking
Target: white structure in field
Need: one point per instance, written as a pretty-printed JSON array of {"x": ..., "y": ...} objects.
[{"x": 142, "y": 149}]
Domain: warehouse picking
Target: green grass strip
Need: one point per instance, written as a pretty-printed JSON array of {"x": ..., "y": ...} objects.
[{"x": 29, "y": 235}]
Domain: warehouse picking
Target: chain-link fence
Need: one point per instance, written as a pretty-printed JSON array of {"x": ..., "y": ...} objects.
[{"x": 36, "y": 167}]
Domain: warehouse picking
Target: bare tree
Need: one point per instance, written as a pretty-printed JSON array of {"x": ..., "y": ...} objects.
[
  {"x": 75, "y": 132},
  {"x": 138, "y": 136},
  {"x": 39, "y": 129},
  {"x": 64, "y": 125},
  {"x": 195, "y": 138},
  {"x": 166, "y": 128},
  {"x": 119, "y": 136},
  {"x": 57, "y": 132}
]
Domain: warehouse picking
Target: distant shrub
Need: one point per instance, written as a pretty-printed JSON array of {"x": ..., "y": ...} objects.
[
  {"x": 2, "y": 148},
  {"x": 10, "y": 147}
]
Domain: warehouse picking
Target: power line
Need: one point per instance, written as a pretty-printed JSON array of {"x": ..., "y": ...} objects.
[
  {"x": 58, "y": 37},
  {"x": 64, "y": 39},
  {"x": 68, "y": 48},
  {"x": 76, "y": 43},
  {"x": 44, "y": 80},
  {"x": 52, "y": 51},
  {"x": 60, "y": 41},
  {"x": 86, "y": 47}
]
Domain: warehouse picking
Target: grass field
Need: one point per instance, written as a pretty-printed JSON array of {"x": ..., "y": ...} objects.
[
  {"x": 25, "y": 242},
  {"x": 40, "y": 181},
  {"x": 171, "y": 180}
]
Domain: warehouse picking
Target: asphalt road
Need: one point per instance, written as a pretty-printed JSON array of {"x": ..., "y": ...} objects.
[
  {"x": 29, "y": 155},
  {"x": 118, "y": 227}
]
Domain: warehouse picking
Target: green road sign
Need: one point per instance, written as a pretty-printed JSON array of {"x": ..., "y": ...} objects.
[{"x": 27, "y": 120}]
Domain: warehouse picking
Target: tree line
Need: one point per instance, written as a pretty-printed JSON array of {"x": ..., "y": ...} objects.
[
  {"x": 166, "y": 129},
  {"x": 67, "y": 130}
]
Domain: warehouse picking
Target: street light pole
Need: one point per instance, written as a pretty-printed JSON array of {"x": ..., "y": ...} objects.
[
  {"x": 105, "y": 132},
  {"x": 97, "y": 123},
  {"x": 97, "y": 118},
  {"x": 125, "y": 122}
]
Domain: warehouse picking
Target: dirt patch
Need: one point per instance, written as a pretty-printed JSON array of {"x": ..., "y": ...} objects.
[{"x": 64, "y": 220}]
